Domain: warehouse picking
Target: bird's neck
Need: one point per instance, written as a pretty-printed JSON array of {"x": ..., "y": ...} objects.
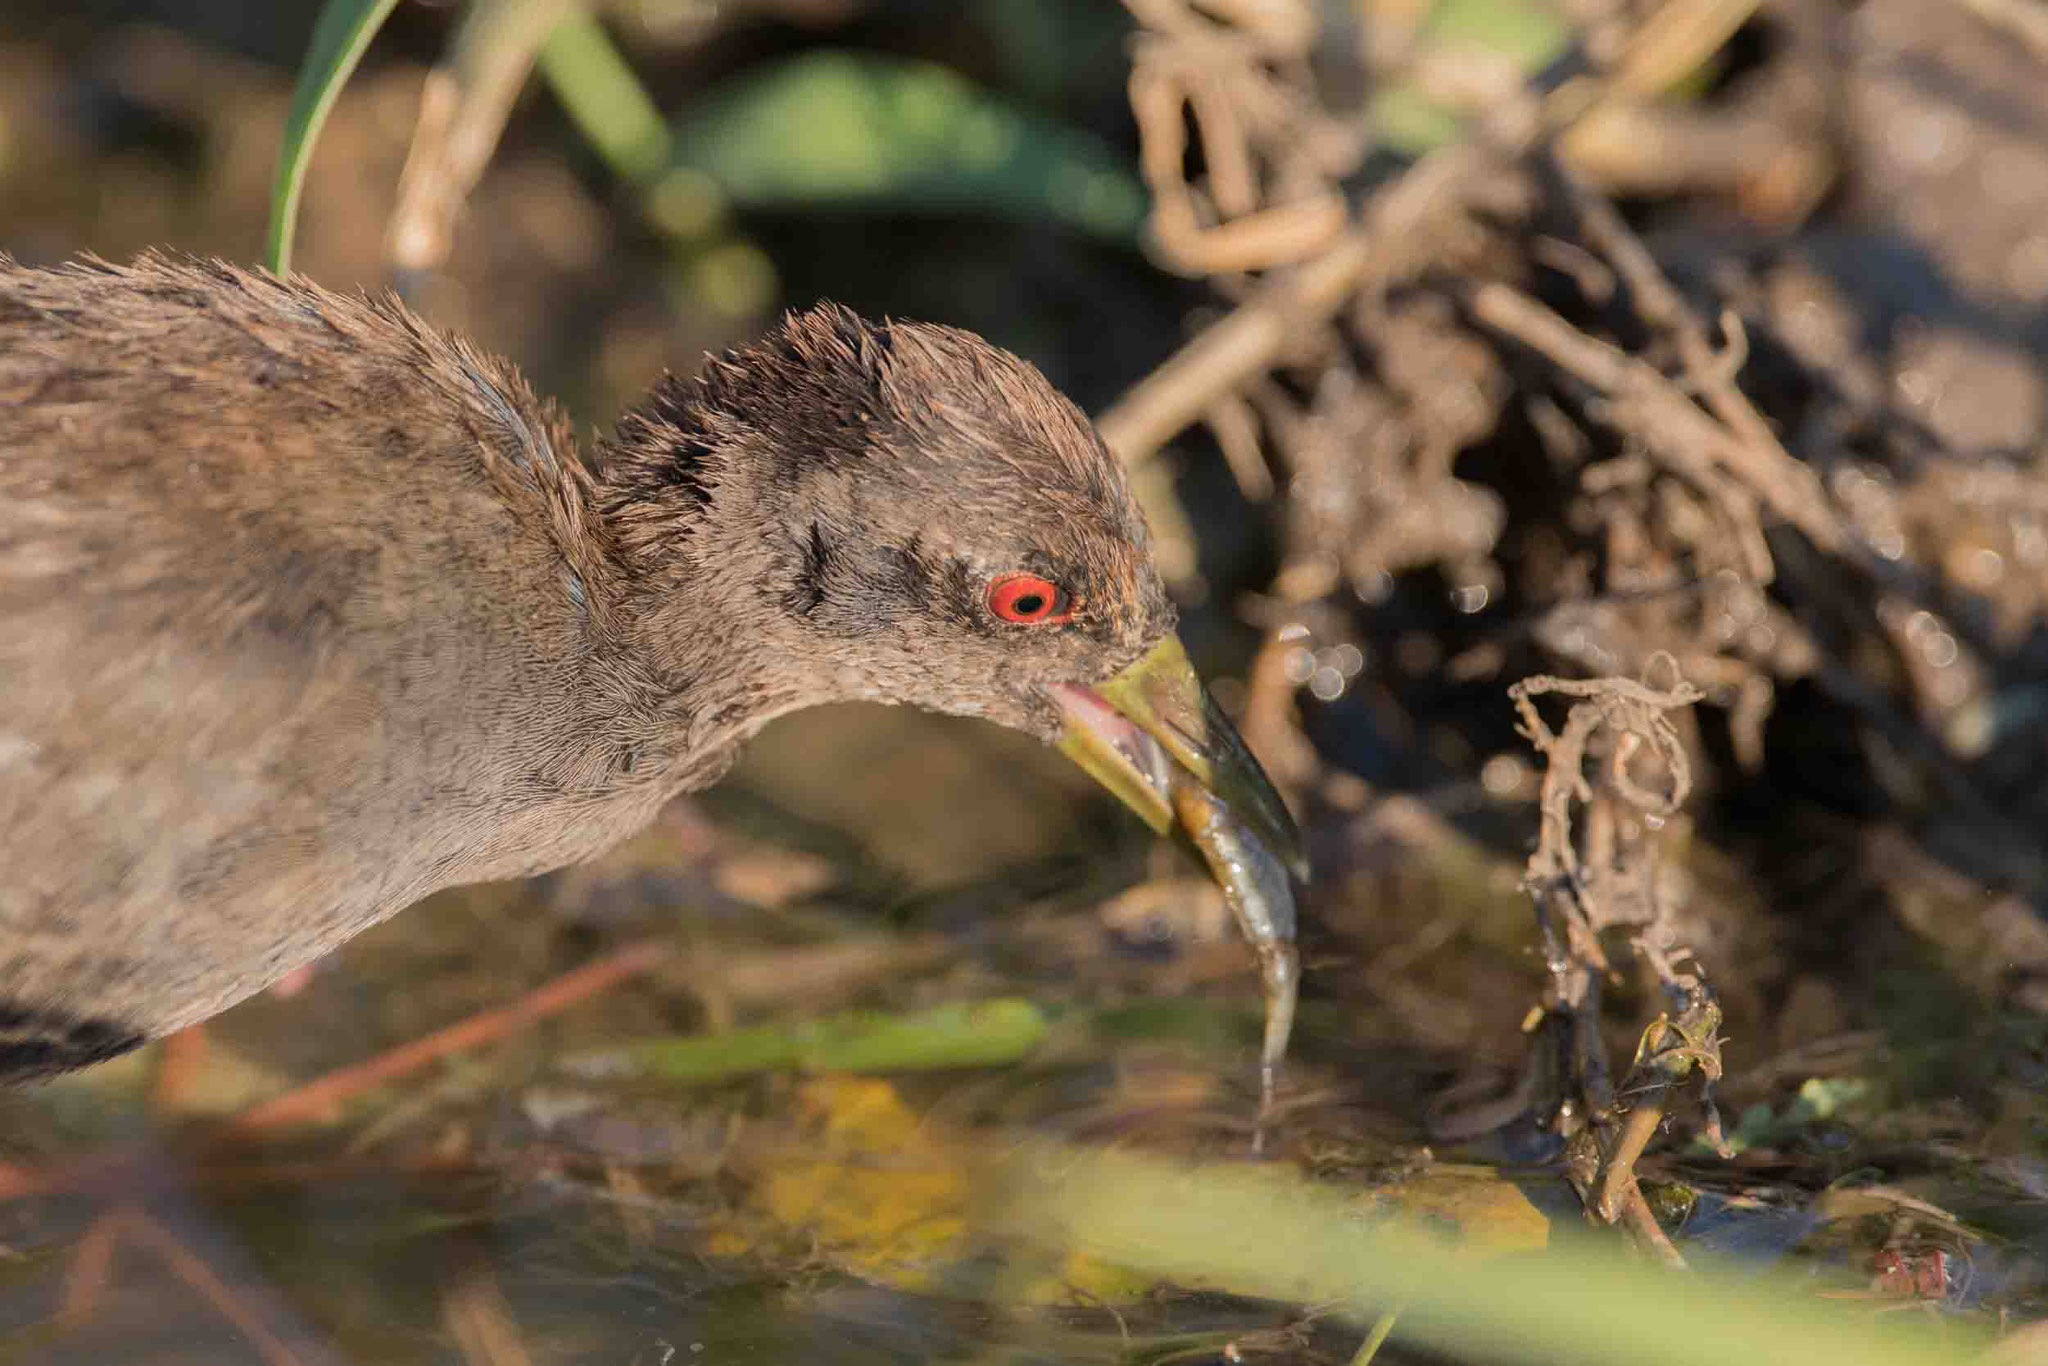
[{"x": 695, "y": 615}]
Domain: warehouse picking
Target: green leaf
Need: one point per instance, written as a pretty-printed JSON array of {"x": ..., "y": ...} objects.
[
  {"x": 989, "y": 1033},
  {"x": 339, "y": 39},
  {"x": 865, "y": 130}
]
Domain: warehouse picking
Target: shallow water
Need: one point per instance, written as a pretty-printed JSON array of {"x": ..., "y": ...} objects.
[{"x": 512, "y": 1204}]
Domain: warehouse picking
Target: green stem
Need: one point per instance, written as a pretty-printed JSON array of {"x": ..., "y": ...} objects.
[
  {"x": 1370, "y": 1348},
  {"x": 605, "y": 99}
]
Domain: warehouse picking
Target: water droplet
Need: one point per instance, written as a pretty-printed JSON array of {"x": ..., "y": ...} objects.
[
  {"x": 1982, "y": 568},
  {"x": 1373, "y": 587},
  {"x": 1469, "y": 598},
  {"x": 1504, "y": 775},
  {"x": 1916, "y": 387},
  {"x": 1327, "y": 684}
]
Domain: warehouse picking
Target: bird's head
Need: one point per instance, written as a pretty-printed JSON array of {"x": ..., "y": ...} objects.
[{"x": 900, "y": 512}]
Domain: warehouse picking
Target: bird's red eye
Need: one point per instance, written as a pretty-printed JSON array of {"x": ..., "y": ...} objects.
[{"x": 1028, "y": 600}]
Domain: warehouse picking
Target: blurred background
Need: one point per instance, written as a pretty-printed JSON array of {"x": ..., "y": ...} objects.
[{"x": 1678, "y": 363}]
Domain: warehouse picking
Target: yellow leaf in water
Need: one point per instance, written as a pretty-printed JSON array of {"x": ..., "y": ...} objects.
[
  {"x": 1084, "y": 1279},
  {"x": 883, "y": 1193},
  {"x": 1483, "y": 1210}
]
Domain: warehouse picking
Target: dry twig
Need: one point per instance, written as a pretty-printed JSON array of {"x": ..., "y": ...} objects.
[{"x": 463, "y": 109}]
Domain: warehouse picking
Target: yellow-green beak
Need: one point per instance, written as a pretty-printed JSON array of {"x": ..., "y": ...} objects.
[{"x": 1154, "y": 725}]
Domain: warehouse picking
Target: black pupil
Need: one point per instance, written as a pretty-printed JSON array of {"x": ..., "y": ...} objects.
[{"x": 1030, "y": 605}]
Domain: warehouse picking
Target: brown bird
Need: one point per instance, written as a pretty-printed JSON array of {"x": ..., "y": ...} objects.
[{"x": 308, "y": 609}]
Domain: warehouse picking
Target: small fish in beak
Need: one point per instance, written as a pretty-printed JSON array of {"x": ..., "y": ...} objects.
[{"x": 1153, "y": 736}]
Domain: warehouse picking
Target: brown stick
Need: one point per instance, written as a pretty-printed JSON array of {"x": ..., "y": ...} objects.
[
  {"x": 1232, "y": 351},
  {"x": 318, "y": 1097},
  {"x": 1683, "y": 435},
  {"x": 91, "y": 1270},
  {"x": 187, "y": 1267},
  {"x": 463, "y": 109},
  {"x": 1229, "y": 353}
]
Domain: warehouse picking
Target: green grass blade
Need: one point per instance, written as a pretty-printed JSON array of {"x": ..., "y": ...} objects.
[
  {"x": 605, "y": 100},
  {"x": 1269, "y": 1232},
  {"x": 990, "y": 1033},
  {"x": 339, "y": 39}
]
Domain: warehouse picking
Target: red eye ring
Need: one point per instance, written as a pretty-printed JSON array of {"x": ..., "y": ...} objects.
[{"x": 1028, "y": 600}]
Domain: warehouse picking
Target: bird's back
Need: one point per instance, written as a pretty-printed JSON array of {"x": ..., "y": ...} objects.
[{"x": 249, "y": 536}]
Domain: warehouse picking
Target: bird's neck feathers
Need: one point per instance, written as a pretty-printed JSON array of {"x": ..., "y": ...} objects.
[
  {"x": 658, "y": 474},
  {"x": 699, "y": 458},
  {"x": 689, "y": 508},
  {"x": 711, "y": 490}
]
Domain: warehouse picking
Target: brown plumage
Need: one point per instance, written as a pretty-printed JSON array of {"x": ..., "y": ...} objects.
[{"x": 308, "y": 609}]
